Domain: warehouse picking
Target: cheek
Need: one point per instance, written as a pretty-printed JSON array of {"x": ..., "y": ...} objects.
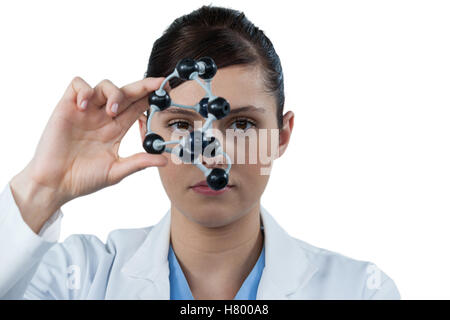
[
  {"x": 250, "y": 181},
  {"x": 171, "y": 174}
]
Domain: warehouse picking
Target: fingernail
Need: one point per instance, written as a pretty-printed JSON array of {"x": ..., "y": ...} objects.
[
  {"x": 114, "y": 107},
  {"x": 83, "y": 104}
]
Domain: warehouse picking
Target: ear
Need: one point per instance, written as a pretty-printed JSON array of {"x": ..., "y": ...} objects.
[
  {"x": 143, "y": 126},
  {"x": 285, "y": 132}
]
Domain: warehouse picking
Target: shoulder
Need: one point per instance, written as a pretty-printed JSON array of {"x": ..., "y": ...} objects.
[
  {"x": 341, "y": 277},
  {"x": 90, "y": 249}
]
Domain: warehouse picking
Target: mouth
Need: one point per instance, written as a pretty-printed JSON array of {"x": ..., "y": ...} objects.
[{"x": 203, "y": 188}]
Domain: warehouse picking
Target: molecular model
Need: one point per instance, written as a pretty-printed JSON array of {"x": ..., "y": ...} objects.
[{"x": 189, "y": 147}]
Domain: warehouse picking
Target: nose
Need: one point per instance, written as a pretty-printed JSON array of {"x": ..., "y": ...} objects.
[{"x": 218, "y": 161}]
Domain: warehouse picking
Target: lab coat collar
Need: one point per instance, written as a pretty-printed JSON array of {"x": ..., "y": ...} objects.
[{"x": 287, "y": 267}]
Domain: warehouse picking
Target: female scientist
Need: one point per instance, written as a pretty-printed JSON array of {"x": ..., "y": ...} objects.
[{"x": 209, "y": 244}]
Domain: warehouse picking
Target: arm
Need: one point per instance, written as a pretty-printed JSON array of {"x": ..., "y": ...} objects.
[
  {"x": 35, "y": 266},
  {"x": 68, "y": 163},
  {"x": 21, "y": 249}
]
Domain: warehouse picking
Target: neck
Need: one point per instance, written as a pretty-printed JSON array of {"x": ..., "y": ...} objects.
[{"x": 216, "y": 261}]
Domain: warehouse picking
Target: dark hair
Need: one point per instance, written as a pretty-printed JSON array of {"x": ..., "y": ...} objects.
[{"x": 227, "y": 36}]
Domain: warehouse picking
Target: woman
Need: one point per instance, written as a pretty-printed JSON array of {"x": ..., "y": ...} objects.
[{"x": 222, "y": 246}]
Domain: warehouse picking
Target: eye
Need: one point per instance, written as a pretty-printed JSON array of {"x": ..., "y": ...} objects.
[
  {"x": 180, "y": 125},
  {"x": 242, "y": 124},
  {"x": 237, "y": 124}
]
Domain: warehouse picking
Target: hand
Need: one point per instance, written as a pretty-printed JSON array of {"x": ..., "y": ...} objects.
[{"x": 78, "y": 151}]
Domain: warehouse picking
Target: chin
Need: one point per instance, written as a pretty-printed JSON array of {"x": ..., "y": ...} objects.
[{"x": 211, "y": 217}]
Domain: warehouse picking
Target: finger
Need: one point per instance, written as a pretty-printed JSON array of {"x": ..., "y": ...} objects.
[
  {"x": 140, "y": 89},
  {"x": 167, "y": 87},
  {"x": 129, "y": 165},
  {"x": 79, "y": 91},
  {"x": 109, "y": 95}
]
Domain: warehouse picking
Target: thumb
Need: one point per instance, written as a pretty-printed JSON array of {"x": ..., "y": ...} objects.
[{"x": 124, "y": 167}]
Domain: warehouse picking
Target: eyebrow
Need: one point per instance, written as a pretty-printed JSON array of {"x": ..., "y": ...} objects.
[{"x": 178, "y": 110}]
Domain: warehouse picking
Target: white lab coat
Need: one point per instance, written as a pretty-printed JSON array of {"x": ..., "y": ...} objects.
[{"x": 133, "y": 264}]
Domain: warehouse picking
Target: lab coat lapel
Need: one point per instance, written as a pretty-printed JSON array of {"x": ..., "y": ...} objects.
[
  {"x": 287, "y": 268},
  {"x": 150, "y": 263}
]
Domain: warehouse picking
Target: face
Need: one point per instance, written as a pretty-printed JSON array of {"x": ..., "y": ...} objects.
[{"x": 238, "y": 134}]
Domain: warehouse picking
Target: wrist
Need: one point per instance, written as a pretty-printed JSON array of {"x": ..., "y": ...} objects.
[{"x": 35, "y": 201}]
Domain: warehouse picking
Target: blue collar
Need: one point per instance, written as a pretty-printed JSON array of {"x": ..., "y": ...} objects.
[{"x": 179, "y": 287}]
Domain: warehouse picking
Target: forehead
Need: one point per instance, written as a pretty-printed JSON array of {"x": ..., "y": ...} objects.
[{"x": 239, "y": 85}]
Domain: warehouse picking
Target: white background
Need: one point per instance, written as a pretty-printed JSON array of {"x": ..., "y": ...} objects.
[{"x": 367, "y": 171}]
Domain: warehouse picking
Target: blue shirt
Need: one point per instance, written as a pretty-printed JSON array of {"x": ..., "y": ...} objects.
[{"x": 179, "y": 287}]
